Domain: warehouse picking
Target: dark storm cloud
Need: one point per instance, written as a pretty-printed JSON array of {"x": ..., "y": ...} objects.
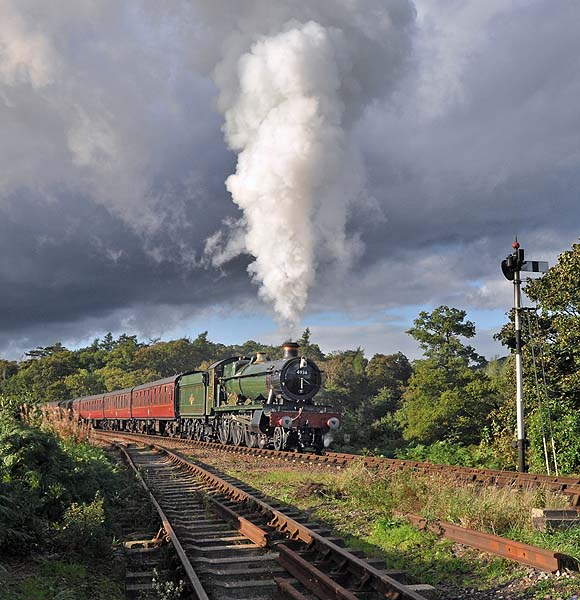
[
  {"x": 71, "y": 259},
  {"x": 479, "y": 144},
  {"x": 112, "y": 160}
]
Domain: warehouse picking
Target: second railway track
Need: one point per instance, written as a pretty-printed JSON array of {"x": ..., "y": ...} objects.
[
  {"x": 233, "y": 544},
  {"x": 568, "y": 485}
]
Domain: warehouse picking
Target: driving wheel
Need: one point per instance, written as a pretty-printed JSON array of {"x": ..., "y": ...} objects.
[{"x": 280, "y": 438}]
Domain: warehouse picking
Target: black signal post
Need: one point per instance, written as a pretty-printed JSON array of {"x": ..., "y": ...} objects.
[{"x": 511, "y": 268}]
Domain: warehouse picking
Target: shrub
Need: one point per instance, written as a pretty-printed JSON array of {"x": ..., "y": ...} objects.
[
  {"x": 83, "y": 532},
  {"x": 450, "y": 453},
  {"x": 43, "y": 481}
]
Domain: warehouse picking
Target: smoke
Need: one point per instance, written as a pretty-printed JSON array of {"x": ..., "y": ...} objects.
[
  {"x": 290, "y": 100},
  {"x": 108, "y": 103}
]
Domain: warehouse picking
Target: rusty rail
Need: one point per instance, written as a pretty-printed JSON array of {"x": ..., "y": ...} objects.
[
  {"x": 539, "y": 558},
  {"x": 286, "y": 591},
  {"x": 196, "y": 585},
  {"x": 295, "y": 531},
  {"x": 565, "y": 484},
  {"x": 360, "y": 573}
]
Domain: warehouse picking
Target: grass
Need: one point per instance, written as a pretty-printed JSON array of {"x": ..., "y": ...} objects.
[
  {"x": 56, "y": 579},
  {"x": 358, "y": 505}
]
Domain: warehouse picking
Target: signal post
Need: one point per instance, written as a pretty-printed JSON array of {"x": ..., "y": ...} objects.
[{"x": 511, "y": 267}]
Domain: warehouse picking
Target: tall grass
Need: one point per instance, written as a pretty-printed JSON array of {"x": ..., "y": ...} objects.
[
  {"x": 492, "y": 509},
  {"x": 61, "y": 423}
]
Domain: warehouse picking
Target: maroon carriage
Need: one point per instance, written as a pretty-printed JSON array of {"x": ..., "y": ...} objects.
[
  {"x": 153, "y": 404},
  {"x": 89, "y": 408},
  {"x": 117, "y": 405}
]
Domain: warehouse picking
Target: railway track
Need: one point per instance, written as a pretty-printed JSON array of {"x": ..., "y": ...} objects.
[
  {"x": 233, "y": 544},
  {"x": 569, "y": 486}
]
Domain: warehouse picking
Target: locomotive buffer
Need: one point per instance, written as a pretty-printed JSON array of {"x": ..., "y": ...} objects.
[{"x": 511, "y": 267}]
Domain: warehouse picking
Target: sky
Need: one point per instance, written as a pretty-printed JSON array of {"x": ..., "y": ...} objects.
[{"x": 253, "y": 168}]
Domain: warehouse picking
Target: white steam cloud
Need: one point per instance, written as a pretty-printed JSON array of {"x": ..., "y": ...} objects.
[{"x": 290, "y": 103}]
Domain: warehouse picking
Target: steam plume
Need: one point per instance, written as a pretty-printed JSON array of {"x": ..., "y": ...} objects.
[{"x": 290, "y": 103}]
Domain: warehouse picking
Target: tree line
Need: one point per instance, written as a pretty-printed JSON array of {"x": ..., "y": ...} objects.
[{"x": 452, "y": 405}]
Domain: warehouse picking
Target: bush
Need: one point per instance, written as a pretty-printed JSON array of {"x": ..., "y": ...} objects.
[
  {"x": 83, "y": 532},
  {"x": 43, "y": 480},
  {"x": 449, "y": 453}
]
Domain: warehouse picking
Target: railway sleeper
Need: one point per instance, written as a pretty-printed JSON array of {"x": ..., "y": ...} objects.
[{"x": 235, "y": 568}]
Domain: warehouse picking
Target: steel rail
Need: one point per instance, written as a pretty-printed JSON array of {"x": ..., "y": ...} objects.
[
  {"x": 196, "y": 584},
  {"x": 286, "y": 591},
  {"x": 567, "y": 485},
  {"x": 292, "y": 530},
  {"x": 533, "y": 556}
]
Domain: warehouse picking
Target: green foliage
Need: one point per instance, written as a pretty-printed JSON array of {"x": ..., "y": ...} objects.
[
  {"x": 309, "y": 349},
  {"x": 43, "y": 376},
  {"x": 448, "y": 397},
  {"x": 83, "y": 532},
  {"x": 439, "y": 333},
  {"x": 369, "y": 392},
  {"x": 445, "y": 452},
  {"x": 388, "y": 371},
  {"x": 85, "y": 383},
  {"x": 52, "y": 579},
  {"x": 346, "y": 379},
  {"x": 8, "y": 368},
  {"x": 551, "y": 342},
  {"x": 451, "y": 405},
  {"x": 39, "y": 480}
]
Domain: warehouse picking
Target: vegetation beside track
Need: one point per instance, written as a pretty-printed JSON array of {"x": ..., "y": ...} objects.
[
  {"x": 451, "y": 406},
  {"x": 448, "y": 407},
  {"x": 358, "y": 505},
  {"x": 61, "y": 506}
]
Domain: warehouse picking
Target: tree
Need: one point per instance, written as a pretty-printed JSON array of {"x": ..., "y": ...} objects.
[
  {"x": 41, "y": 351},
  {"x": 390, "y": 371},
  {"x": 307, "y": 348},
  {"x": 554, "y": 336},
  {"x": 346, "y": 385},
  {"x": 122, "y": 354},
  {"x": 444, "y": 405},
  {"x": 42, "y": 378},
  {"x": 448, "y": 396},
  {"x": 115, "y": 378},
  {"x": 8, "y": 368},
  {"x": 439, "y": 333},
  {"x": 169, "y": 358},
  {"x": 84, "y": 383}
]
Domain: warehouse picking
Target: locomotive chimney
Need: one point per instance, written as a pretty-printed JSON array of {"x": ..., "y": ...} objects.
[{"x": 290, "y": 349}]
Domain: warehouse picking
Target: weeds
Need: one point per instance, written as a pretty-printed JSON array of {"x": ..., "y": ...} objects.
[
  {"x": 358, "y": 504},
  {"x": 83, "y": 532},
  {"x": 167, "y": 590}
]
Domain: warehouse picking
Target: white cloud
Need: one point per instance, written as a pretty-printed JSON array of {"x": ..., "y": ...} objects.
[{"x": 111, "y": 144}]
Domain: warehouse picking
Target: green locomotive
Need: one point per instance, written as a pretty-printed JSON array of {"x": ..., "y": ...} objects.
[{"x": 257, "y": 402}]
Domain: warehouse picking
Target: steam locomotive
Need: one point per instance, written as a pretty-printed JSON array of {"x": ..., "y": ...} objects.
[{"x": 254, "y": 401}]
